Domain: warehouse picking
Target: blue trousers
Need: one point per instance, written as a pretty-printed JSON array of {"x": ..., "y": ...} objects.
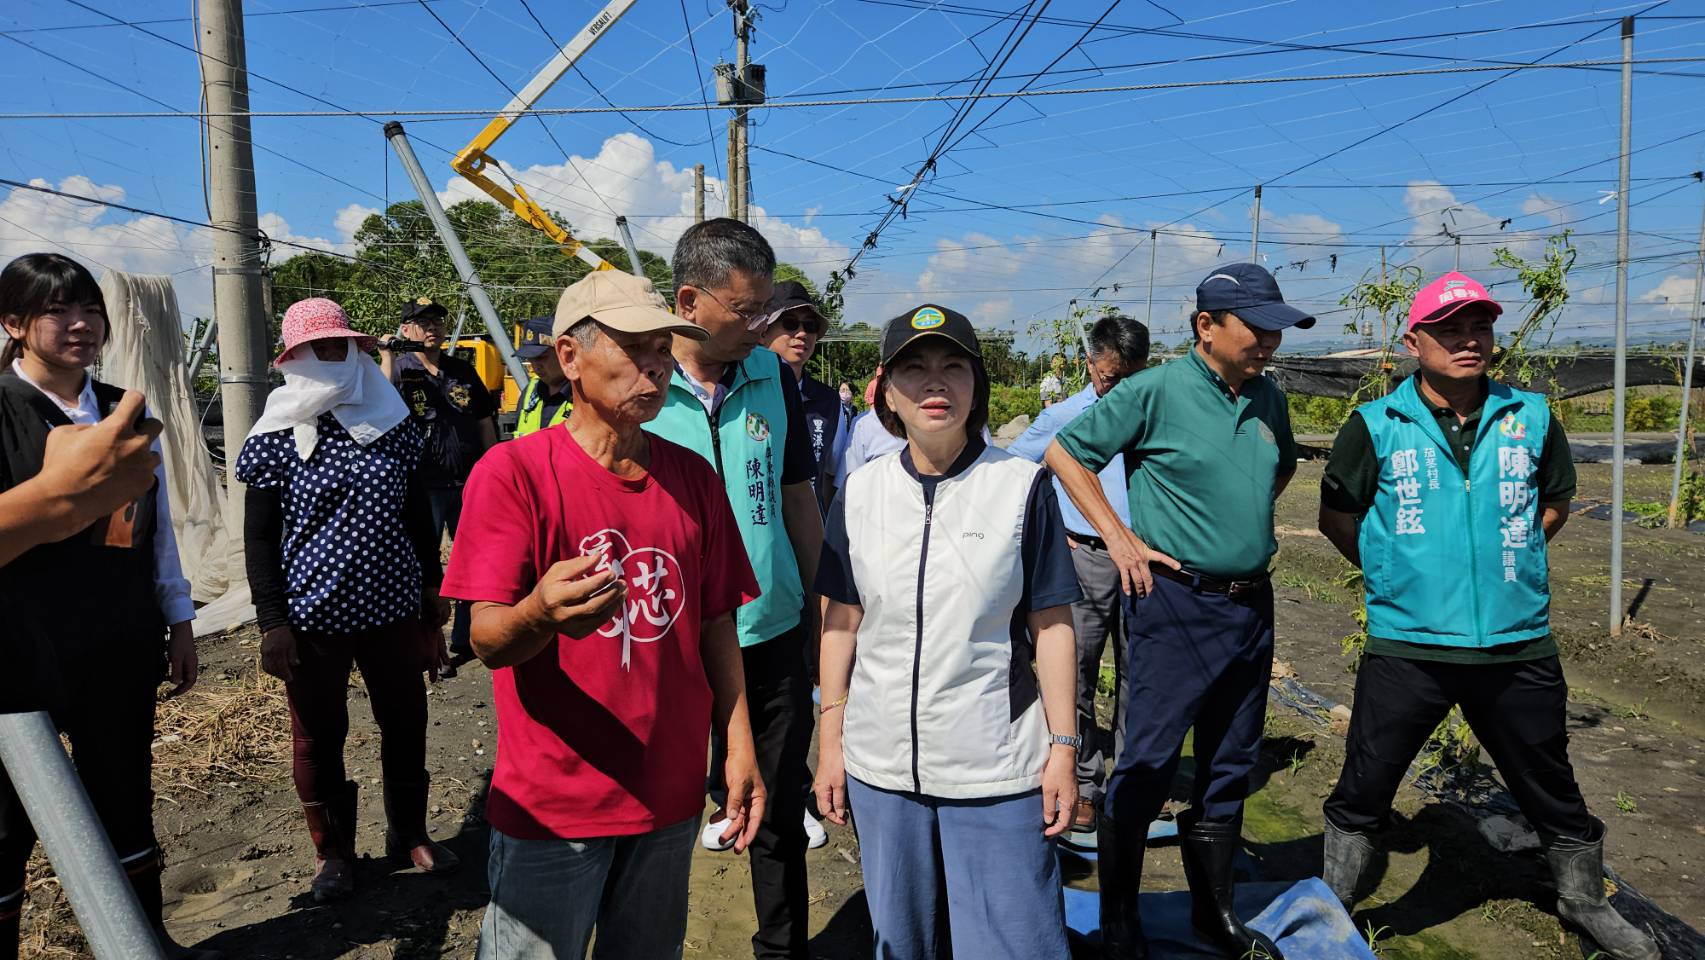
[
  {"x": 1192, "y": 659},
  {"x": 1004, "y": 900}
]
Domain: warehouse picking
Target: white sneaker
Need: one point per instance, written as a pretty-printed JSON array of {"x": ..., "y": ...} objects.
[
  {"x": 711, "y": 836},
  {"x": 815, "y": 835}
]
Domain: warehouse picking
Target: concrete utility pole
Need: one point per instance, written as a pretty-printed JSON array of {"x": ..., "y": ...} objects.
[
  {"x": 742, "y": 59},
  {"x": 1681, "y": 445},
  {"x": 1457, "y": 263},
  {"x": 698, "y": 193},
  {"x": 1620, "y": 402},
  {"x": 500, "y": 338},
  {"x": 238, "y": 306},
  {"x": 732, "y": 187},
  {"x": 1255, "y": 233},
  {"x": 1152, "y": 241}
]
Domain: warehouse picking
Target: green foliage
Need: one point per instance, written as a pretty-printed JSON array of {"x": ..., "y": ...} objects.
[
  {"x": 1063, "y": 337},
  {"x": 1385, "y": 296},
  {"x": 1007, "y": 402},
  {"x": 1650, "y": 412},
  {"x": 1450, "y": 746},
  {"x": 1318, "y": 414},
  {"x": 1353, "y": 644},
  {"x": 1546, "y": 282}
]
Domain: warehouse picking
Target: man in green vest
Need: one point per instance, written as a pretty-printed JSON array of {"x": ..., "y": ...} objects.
[
  {"x": 1445, "y": 494},
  {"x": 545, "y": 401},
  {"x": 738, "y": 406}
]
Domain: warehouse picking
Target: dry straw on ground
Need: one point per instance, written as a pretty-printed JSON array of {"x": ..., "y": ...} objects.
[{"x": 221, "y": 731}]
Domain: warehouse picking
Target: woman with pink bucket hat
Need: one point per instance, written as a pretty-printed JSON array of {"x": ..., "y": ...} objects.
[{"x": 344, "y": 570}]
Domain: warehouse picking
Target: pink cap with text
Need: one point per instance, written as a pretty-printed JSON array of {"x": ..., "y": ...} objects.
[{"x": 1447, "y": 295}]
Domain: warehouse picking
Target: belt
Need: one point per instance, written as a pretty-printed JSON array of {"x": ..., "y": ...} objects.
[
  {"x": 1235, "y": 589},
  {"x": 1083, "y": 540}
]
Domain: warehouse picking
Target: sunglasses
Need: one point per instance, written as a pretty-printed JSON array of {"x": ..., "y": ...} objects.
[{"x": 791, "y": 321}]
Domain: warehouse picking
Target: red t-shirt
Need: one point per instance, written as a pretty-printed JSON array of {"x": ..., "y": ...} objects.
[{"x": 585, "y": 746}]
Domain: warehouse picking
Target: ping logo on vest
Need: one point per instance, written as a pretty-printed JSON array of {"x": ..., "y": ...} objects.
[{"x": 927, "y": 318}]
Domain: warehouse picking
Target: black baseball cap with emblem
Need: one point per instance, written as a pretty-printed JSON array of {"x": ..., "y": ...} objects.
[
  {"x": 535, "y": 337},
  {"x": 929, "y": 320},
  {"x": 1248, "y": 290},
  {"x": 422, "y": 307}
]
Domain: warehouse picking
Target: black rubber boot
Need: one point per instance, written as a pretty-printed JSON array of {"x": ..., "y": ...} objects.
[
  {"x": 1349, "y": 864},
  {"x": 1578, "y": 866},
  {"x": 1119, "y": 868},
  {"x": 1208, "y": 850},
  {"x": 11, "y": 919},
  {"x": 406, "y": 841}
]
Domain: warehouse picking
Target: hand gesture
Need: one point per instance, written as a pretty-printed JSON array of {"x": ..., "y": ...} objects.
[
  {"x": 101, "y": 467},
  {"x": 1133, "y": 557},
  {"x": 1059, "y": 790},
  {"x": 830, "y": 787},
  {"x": 573, "y": 599},
  {"x": 746, "y": 801},
  {"x": 278, "y": 653}
]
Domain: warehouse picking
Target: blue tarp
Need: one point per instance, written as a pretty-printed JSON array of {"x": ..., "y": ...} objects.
[{"x": 1303, "y": 918}]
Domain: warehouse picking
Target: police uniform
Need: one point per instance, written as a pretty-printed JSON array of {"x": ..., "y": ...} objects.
[{"x": 539, "y": 407}]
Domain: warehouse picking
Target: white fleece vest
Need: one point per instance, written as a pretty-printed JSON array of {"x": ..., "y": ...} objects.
[{"x": 943, "y": 699}]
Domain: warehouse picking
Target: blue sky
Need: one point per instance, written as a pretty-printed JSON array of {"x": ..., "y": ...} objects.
[{"x": 1051, "y": 199}]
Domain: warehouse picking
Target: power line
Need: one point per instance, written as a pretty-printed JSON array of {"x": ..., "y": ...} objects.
[
  {"x": 693, "y": 48},
  {"x": 342, "y": 8},
  {"x": 427, "y": 114}
]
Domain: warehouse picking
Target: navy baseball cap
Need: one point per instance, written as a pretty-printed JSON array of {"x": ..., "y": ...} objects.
[
  {"x": 535, "y": 337},
  {"x": 1249, "y": 291}
]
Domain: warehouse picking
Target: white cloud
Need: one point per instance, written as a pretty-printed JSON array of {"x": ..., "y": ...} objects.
[
  {"x": 1673, "y": 294},
  {"x": 350, "y": 219},
  {"x": 626, "y": 176}
]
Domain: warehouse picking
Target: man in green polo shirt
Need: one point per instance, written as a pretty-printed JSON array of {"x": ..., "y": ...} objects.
[
  {"x": 1445, "y": 493},
  {"x": 1207, "y": 447}
]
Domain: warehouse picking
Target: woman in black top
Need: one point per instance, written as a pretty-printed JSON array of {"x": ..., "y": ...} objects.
[
  {"x": 87, "y": 616},
  {"x": 343, "y": 565}
]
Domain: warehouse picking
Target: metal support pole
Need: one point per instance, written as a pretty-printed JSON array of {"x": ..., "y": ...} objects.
[
  {"x": 500, "y": 338},
  {"x": 1152, "y": 242},
  {"x": 1619, "y": 404},
  {"x": 1457, "y": 263},
  {"x": 698, "y": 193},
  {"x": 455, "y": 338},
  {"x": 627, "y": 244},
  {"x": 1255, "y": 233},
  {"x": 199, "y": 354},
  {"x": 74, "y": 839},
  {"x": 238, "y": 304},
  {"x": 1681, "y": 451}
]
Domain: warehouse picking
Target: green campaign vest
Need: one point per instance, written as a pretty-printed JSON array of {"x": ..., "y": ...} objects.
[
  {"x": 744, "y": 442},
  {"x": 1454, "y": 559},
  {"x": 532, "y": 410}
]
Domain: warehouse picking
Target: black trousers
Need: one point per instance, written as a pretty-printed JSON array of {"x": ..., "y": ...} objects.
[
  {"x": 111, "y": 729},
  {"x": 778, "y": 697},
  {"x": 1517, "y": 711}
]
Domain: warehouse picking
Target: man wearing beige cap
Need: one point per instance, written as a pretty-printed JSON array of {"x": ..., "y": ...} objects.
[{"x": 604, "y": 566}]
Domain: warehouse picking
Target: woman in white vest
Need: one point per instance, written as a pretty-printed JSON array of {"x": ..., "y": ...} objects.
[{"x": 947, "y": 573}]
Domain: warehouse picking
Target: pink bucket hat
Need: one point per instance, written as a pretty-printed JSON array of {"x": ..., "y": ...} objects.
[
  {"x": 1447, "y": 295},
  {"x": 319, "y": 319}
]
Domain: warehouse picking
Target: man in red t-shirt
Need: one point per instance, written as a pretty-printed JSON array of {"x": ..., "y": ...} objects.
[{"x": 603, "y": 565}]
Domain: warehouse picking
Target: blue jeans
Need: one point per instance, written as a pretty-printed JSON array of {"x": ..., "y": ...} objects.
[
  {"x": 1002, "y": 879},
  {"x": 547, "y": 896},
  {"x": 446, "y": 514}
]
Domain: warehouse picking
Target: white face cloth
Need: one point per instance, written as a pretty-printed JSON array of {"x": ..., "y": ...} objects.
[{"x": 353, "y": 390}]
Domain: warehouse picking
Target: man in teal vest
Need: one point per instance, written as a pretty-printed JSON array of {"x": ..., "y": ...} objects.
[
  {"x": 545, "y": 401},
  {"x": 738, "y": 406},
  {"x": 1445, "y": 493}
]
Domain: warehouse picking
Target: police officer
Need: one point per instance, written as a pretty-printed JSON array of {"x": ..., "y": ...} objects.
[
  {"x": 545, "y": 400},
  {"x": 1207, "y": 447},
  {"x": 1445, "y": 493}
]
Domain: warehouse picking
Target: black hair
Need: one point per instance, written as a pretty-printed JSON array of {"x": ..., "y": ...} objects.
[
  {"x": 36, "y": 281},
  {"x": 974, "y": 423},
  {"x": 1121, "y": 335},
  {"x": 708, "y": 252},
  {"x": 1215, "y": 317}
]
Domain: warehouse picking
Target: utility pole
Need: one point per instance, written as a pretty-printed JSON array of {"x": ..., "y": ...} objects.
[
  {"x": 1621, "y": 379},
  {"x": 732, "y": 187},
  {"x": 1457, "y": 263},
  {"x": 238, "y": 307},
  {"x": 1681, "y": 445},
  {"x": 500, "y": 338},
  {"x": 698, "y": 193},
  {"x": 1152, "y": 241},
  {"x": 1255, "y": 233},
  {"x": 742, "y": 60}
]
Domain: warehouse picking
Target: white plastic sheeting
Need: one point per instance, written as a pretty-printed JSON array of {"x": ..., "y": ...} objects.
[{"x": 146, "y": 353}]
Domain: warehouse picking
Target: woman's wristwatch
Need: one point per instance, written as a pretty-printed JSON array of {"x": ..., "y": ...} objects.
[{"x": 1066, "y": 740}]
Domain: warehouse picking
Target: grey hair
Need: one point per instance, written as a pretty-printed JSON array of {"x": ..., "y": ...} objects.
[
  {"x": 584, "y": 332},
  {"x": 708, "y": 252}
]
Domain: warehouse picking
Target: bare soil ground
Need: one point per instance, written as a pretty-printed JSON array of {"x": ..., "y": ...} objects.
[{"x": 239, "y": 858}]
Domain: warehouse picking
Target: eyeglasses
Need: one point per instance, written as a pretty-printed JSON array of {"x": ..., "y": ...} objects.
[
  {"x": 752, "y": 320},
  {"x": 791, "y": 321}
]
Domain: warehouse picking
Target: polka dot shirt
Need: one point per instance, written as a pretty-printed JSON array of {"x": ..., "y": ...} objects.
[{"x": 348, "y": 563}]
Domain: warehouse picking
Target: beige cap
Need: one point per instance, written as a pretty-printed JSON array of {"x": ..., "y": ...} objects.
[{"x": 620, "y": 301}]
